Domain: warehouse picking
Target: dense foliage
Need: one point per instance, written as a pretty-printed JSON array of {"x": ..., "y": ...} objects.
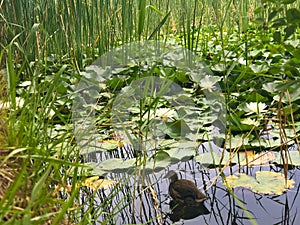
[{"x": 250, "y": 47}]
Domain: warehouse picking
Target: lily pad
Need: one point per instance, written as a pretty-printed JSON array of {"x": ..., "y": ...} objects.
[
  {"x": 258, "y": 159},
  {"x": 162, "y": 144},
  {"x": 116, "y": 164},
  {"x": 272, "y": 183},
  {"x": 238, "y": 141},
  {"x": 259, "y": 68},
  {"x": 95, "y": 183},
  {"x": 266, "y": 182},
  {"x": 294, "y": 158},
  {"x": 182, "y": 154},
  {"x": 156, "y": 165},
  {"x": 110, "y": 145},
  {"x": 212, "y": 158},
  {"x": 241, "y": 180},
  {"x": 266, "y": 143}
]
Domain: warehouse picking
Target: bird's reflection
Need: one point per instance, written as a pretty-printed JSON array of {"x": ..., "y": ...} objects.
[{"x": 186, "y": 212}]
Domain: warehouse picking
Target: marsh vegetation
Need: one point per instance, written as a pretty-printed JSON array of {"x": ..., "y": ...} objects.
[{"x": 100, "y": 99}]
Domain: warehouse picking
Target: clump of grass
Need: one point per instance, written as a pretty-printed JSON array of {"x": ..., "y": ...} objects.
[{"x": 27, "y": 181}]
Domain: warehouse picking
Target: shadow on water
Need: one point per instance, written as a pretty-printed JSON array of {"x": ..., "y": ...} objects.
[
  {"x": 144, "y": 199},
  {"x": 185, "y": 212}
]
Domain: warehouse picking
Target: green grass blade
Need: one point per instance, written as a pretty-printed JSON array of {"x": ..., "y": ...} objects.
[{"x": 163, "y": 21}]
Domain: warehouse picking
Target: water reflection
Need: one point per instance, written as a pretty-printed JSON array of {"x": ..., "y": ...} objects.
[
  {"x": 143, "y": 199},
  {"x": 186, "y": 212}
]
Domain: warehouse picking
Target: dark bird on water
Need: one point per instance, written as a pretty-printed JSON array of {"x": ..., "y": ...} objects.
[{"x": 183, "y": 191}]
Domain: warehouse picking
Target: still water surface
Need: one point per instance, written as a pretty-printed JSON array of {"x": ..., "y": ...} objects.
[{"x": 136, "y": 203}]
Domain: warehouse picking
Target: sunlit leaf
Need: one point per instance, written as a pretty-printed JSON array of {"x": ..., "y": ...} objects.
[
  {"x": 25, "y": 84},
  {"x": 219, "y": 67},
  {"x": 110, "y": 144},
  {"x": 161, "y": 144},
  {"x": 258, "y": 159},
  {"x": 240, "y": 180},
  {"x": 270, "y": 87},
  {"x": 163, "y": 113},
  {"x": 272, "y": 183},
  {"x": 266, "y": 182},
  {"x": 95, "y": 183}
]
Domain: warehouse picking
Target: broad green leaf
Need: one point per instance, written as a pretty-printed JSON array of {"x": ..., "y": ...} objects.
[
  {"x": 259, "y": 68},
  {"x": 157, "y": 164},
  {"x": 266, "y": 182},
  {"x": 277, "y": 36},
  {"x": 293, "y": 16},
  {"x": 272, "y": 15},
  {"x": 279, "y": 22},
  {"x": 266, "y": 143},
  {"x": 177, "y": 129},
  {"x": 294, "y": 158},
  {"x": 116, "y": 164},
  {"x": 290, "y": 30},
  {"x": 183, "y": 152},
  {"x": 212, "y": 158},
  {"x": 238, "y": 141}
]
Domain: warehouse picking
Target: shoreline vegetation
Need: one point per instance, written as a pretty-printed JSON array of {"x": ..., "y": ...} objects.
[{"x": 251, "y": 47}]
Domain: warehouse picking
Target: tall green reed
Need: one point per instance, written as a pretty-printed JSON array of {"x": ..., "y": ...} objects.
[{"x": 78, "y": 29}]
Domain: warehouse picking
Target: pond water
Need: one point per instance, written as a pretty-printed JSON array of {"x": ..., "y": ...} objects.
[{"x": 137, "y": 203}]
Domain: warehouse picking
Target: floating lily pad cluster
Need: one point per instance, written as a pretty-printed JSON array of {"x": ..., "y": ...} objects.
[
  {"x": 215, "y": 159},
  {"x": 265, "y": 182},
  {"x": 159, "y": 155}
]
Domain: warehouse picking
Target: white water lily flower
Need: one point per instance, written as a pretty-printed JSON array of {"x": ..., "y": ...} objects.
[
  {"x": 163, "y": 113},
  {"x": 254, "y": 107},
  {"x": 249, "y": 121},
  {"x": 50, "y": 111},
  {"x": 208, "y": 83}
]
